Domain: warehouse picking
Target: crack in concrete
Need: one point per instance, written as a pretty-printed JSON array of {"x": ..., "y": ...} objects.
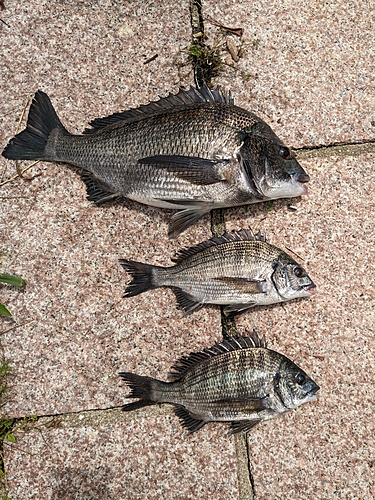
[{"x": 244, "y": 476}]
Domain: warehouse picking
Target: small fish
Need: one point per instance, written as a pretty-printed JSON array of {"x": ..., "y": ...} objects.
[
  {"x": 239, "y": 381},
  {"x": 193, "y": 151},
  {"x": 238, "y": 270}
]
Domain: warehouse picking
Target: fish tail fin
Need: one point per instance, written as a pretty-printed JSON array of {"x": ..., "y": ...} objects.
[
  {"x": 143, "y": 277},
  {"x": 141, "y": 387},
  {"x": 30, "y": 144}
]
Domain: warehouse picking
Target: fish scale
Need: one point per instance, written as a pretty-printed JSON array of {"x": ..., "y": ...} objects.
[{"x": 193, "y": 152}]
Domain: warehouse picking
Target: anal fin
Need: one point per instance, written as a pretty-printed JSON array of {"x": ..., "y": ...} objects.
[
  {"x": 243, "y": 425},
  {"x": 185, "y": 302},
  {"x": 191, "y": 423},
  {"x": 97, "y": 191},
  {"x": 182, "y": 220}
]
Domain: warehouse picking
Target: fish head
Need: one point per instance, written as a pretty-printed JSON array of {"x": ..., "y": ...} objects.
[
  {"x": 271, "y": 165},
  {"x": 290, "y": 279},
  {"x": 293, "y": 386}
]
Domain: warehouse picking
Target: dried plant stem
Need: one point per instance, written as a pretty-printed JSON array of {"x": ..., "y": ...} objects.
[
  {"x": 16, "y": 326},
  {"x": 22, "y": 114},
  {"x": 19, "y": 173}
]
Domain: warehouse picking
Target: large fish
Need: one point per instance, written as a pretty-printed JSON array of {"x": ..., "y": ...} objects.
[
  {"x": 238, "y": 381},
  {"x": 238, "y": 270},
  {"x": 193, "y": 151}
]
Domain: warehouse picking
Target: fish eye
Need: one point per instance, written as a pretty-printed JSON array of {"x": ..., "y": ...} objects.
[
  {"x": 301, "y": 379},
  {"x": 284, "y": 152},
  {"x": 298, "y": 272}
]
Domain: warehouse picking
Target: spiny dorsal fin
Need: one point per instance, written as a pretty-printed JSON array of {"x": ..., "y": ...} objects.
[
  {"x": 241, "y": 235},
  {"x": 184, "y": 364},
  {"x": 182, "y": 98}
]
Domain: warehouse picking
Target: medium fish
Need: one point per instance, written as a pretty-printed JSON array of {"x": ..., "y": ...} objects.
[
  {"x": 238, "y": 270},
  {"x": 238, "y": 381},
  {"x": 193, "y": 151}
]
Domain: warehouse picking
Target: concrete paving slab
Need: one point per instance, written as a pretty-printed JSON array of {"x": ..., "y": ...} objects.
[
  {"x": 306, "y": 68},
  {"x": 144, "y": 458},
  {"x": 324, "y": 449}
]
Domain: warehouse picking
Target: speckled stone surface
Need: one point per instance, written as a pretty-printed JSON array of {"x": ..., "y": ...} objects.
[
  {"x": 147, "y": 458},
  {"x": 307, "y": 67}
]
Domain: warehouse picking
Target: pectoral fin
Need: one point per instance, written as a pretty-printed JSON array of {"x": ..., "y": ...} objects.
[
  {"x": 193, "y": 169},
  {"x": 246, "y": 405},
  {"x": 180, "y": 221},
  {"x": 243, "y": 285}
]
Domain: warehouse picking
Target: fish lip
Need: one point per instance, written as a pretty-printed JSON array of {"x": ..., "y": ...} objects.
[
  {"x": 300, "y": 177},
  {"x": 310, "y": 289},
  {"x": 312, "y": 394},
  {"x": 301, "y": 180}
]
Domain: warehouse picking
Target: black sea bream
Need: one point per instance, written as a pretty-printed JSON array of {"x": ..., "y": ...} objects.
[
  {"x": 193, "y": 151},
  {"x": 237, "y": 270},
  {"x": 238, "y": 381}
]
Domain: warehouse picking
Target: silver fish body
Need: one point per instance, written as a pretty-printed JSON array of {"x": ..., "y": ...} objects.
[
  {"x": 238, "y": 270},
  {"x": 193, "y": 151},
  {"x": 239, "y": 381}
]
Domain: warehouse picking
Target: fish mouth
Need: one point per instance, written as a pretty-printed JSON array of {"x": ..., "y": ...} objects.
[
  {"x": 312, "y": 394},
  {"x": 310, "y": 289},
  {"x": 301, "y": 179},
  {"x": 285, "y": 184}
]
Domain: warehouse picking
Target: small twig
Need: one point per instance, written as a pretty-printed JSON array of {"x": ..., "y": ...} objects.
[
  {"x": 234, "y": 31},
  {"x": 16, "y": 326},
  {"x": 3, "y": 173},
  {"x": 6, "y": 24},
  {"x": 295, "y": 253},
  {"x": 9, "y": 443},
  {"x": 21, "y": 172},
  {"x": 22, "y": 114},
  {"x": 150, "y": 59},
  {"x": 18, "y": 169}
]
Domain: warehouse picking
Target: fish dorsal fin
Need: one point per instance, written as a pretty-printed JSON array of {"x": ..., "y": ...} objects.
[
  {"x": 184, "y": 364},
  {"x": 182, "y": 98},
  {"x": 241, "y": 235}
]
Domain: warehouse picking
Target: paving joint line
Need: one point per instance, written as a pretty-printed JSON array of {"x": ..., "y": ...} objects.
[
  {"x": 228, "y": 325},
  {"x": 336, "y": 149}
]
